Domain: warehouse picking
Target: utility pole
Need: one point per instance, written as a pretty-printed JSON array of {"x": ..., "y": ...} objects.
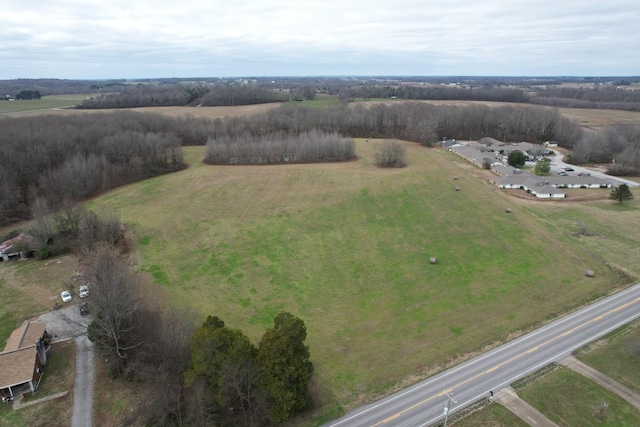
[{"x": 446, "y": 408}]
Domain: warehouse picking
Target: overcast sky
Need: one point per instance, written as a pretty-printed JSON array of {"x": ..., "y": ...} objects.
[{"x": 89, "y": 39}]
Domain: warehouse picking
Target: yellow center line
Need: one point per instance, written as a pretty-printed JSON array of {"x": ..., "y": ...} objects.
[{"x": 506, "y": 362}]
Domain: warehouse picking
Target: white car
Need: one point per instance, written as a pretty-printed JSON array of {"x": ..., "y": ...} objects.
[
  {"x": 84, "y": 291},
  {"x": 66, "y": 296}
]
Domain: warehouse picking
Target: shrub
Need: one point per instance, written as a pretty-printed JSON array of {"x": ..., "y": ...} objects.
[{"x": 390, "y": 155}]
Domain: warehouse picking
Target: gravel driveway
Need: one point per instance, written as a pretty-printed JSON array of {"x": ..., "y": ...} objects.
[{"x": 68, "y": 323}]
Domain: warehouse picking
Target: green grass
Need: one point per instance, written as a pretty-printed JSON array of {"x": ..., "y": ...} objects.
[
  {"x": 569, "y": 399},
  {"x": 612, "y": 228},
  {"x": 346, "y": 247},
  {"x": 46, "y": 102},
  {"x": 618, "y": 356},
  {"x": 494, "y": 415},
  {"x": 320, "y": 101}
]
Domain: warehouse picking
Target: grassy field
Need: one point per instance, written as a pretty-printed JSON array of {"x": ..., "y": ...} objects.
[
  {"x": 569, "y": 399},
  {"x": 321, "y": 100},
  {"x": 44, "y": 103},
  {"x": 617, "y": 356},
  {"x": 346, "y": 247}
]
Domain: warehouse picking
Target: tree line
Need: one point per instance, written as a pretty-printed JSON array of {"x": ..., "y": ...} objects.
[
  {"x": 603, "y": 98},
  {"x": 58, "y": 159},
  {"x": 618, "y": 145},
  {"x": 221, "y": 95},
  {"x": 306, "y": 147},
  {"x": 438, "y": 92},
  {"x": 146, "y": 96},
  {"x": 180, "y": 95}
]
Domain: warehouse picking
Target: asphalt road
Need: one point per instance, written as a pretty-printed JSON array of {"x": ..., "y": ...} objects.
[{"x": 423, "y": 404}]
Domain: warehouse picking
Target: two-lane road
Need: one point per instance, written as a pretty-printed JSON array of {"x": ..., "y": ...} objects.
[{"x": 423, "y": 404}]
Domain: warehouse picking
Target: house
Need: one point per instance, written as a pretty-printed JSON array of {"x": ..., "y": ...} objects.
[
  {"x": 23, "y": 359},
  {"x": 448, "y": 143},
  {"x": 18, "y": 246}
]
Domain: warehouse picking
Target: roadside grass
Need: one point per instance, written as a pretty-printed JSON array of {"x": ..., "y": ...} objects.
[
  {"x": 570, "y": 399},
  {"x": 346, "y": 247},
  {"x": 617, "y": 356},
  {"x": 613, "y": 234},
  {"x": 58, "y": 376},
  {"x": 50, "y": 101},
  {"x": 494, "y": 415}
]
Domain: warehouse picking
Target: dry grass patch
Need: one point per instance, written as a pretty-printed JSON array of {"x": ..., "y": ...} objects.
[{"x": 117, "y": 402}]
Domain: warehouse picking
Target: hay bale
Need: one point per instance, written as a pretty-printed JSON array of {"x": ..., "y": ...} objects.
[
  {"x": 457, "y": 188},
  {"x": 433, "y": 260},
  {"x": 507, "y": 210},
  {"x": 455, "y": 177},
  {"x": 590, "y": 273}
]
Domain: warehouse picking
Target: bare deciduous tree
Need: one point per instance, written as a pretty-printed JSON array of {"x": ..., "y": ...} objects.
[
  {"x": 390, "y": 155},
  {"x": 116, "y": 304}
]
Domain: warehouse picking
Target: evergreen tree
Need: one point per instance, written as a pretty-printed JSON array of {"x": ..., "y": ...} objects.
[
  {"x": 621, "y": 193},
  {"x": 285, "y": 368},
  {"x": 224, "y": 360},
  {"x": 516, "y": 159}
]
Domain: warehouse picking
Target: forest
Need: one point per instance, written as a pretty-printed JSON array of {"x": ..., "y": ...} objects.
[{"x": 58, "y": 159}]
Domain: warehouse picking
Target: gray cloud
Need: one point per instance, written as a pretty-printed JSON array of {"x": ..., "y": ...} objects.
[{"x": 119, "y": 39}]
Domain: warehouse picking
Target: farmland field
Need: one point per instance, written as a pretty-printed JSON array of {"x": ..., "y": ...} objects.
[
  {"x": 346, "y": 247},
  {"x": 209, "y": 112},
  {"x": 45, "y": 103}
]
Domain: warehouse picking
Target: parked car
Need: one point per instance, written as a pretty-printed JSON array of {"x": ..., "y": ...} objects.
[
  {"x": 66, "y": 296},
  {"x": 84, "y": 308},
  {"x": 562, "y": 173},
  {"x": 568, "y": 169},
  {"x": 84, "y": 291},
  {"x": 584, "y": 174}
]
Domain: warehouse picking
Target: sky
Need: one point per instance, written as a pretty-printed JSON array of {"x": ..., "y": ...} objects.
[{"x": 109, "y": 39}]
